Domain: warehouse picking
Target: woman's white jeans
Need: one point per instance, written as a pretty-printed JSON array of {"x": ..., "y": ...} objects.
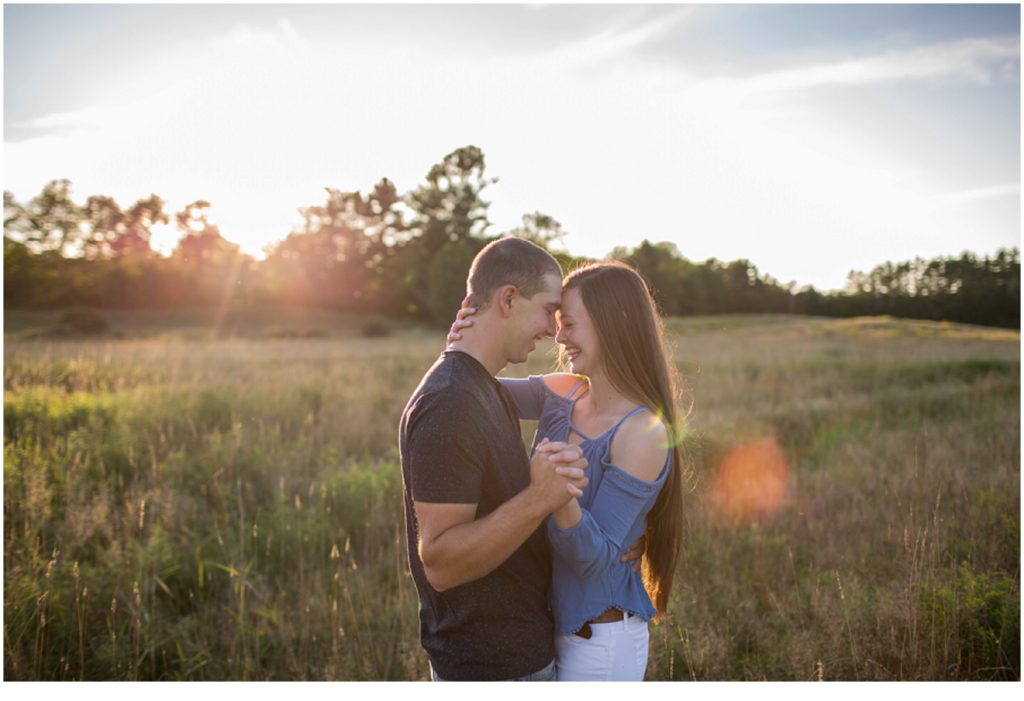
[{"x": 616, "y": 651}]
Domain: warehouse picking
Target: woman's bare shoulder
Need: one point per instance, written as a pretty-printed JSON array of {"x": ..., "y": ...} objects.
[
  {"x": 562, "y": 382},
  {"x": 640, "y": 446}
]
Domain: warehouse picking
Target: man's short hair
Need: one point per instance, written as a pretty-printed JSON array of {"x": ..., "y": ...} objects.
[{"x": 509, "y": 261}]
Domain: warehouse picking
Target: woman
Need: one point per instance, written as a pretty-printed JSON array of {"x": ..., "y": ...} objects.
[{"x": 617, "y": 404}]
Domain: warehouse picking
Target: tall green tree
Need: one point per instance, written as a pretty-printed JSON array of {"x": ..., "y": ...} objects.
[
  {"x": 16, "y": 220},
  {"x": 137, "y": 232},
  {"x": 542, "y": 229},
  {"x": 209, "y": 268},
  {"x": 449, "y": 206},
  {"x": 53, "y": 220},
  {"x": 337, "y": 257},
  {"x": 21, "y": 274},
  {"x": 672, "y": 277},
  {"x": 115, "y": 233},
  {"x": 447, "y": 277},
  {"x": 446, "y": 209}
]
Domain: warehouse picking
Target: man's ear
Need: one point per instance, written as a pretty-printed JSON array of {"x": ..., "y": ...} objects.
[{"x": 506, "y": 299}]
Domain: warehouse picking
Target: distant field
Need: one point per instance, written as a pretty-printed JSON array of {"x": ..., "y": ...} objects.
[
  {"x": 193, "y": 324},
  {"x": 212, "y": 496}
]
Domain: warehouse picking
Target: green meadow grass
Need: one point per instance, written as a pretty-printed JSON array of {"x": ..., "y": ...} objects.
[{"x": 182, "y": 506}]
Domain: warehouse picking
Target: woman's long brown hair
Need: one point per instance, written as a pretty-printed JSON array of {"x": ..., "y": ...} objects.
[{"x": 632, "y": 338}]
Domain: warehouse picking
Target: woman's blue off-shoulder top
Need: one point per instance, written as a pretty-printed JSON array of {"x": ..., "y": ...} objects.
[{"x": 587, "y": 577}]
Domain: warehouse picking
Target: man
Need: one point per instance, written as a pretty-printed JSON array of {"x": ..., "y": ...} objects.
[{"x": 474, "y": 501}]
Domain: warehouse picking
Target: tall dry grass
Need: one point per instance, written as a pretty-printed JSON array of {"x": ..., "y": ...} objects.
[{"x": 231, "y": 509}]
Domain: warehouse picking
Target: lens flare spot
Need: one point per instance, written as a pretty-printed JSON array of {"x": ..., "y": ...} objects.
[
  {"x": 752, "y": 482},
  {"x": 675, "y": 436}
]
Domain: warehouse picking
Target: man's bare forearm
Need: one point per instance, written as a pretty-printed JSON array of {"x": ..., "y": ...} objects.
[{"x": 469, "y": 551}]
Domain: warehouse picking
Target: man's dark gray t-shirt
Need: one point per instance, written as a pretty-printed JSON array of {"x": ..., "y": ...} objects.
[{"x": 460, "y": 443}]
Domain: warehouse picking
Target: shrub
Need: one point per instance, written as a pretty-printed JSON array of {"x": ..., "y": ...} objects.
[
  {"x": 84, "y": 321},
  {"x": 376, "y": 329},
  {"x": 980, "y": 615}
]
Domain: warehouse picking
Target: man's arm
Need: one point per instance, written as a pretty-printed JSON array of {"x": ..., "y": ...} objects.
[{"x": 456, "y": 548}]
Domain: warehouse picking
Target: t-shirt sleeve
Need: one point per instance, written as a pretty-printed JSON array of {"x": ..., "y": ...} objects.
[
  {"x": 446, "y": 462},
  {"x": 528, "y": 394}
]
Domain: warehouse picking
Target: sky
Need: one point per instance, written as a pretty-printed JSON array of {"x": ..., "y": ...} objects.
[{"x": 809, "y": 139}]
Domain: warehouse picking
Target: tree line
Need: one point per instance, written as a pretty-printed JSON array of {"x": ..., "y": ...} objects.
[
  {"x": 967, "y": 289},
  {"x": 405, "y": 255}
]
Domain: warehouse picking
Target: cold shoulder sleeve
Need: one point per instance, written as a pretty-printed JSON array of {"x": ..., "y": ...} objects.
[
  {"x": 601, "y": 536},
  {"x": 528, "y": 394}
]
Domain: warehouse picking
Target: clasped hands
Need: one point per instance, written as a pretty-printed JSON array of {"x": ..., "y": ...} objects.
[
  {"x": 565, "y": 482},
  {"x": 557, "y": 472}
]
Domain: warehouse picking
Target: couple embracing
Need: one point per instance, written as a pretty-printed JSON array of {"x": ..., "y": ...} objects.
[{"x": 544, "y": 567}]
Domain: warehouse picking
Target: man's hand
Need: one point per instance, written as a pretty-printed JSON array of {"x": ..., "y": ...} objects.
[
  {"x": 556, "y": 473},
  {"x": 634, "y": 552}
]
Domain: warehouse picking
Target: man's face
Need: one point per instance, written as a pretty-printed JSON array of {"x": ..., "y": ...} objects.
[{"x": 535, "y": 319}]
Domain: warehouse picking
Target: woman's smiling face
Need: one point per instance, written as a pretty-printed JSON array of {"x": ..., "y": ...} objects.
[{"x": 576, "y": 334}]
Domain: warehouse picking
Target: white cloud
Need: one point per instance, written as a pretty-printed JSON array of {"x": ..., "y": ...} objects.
[
  {"x": 972, "y": 60},
  {"x": 984, "y": 193},
  {"x": 63, "y": 122},
  {"x": 244, "y": 38},
  {"x": 614, "y": 41}
]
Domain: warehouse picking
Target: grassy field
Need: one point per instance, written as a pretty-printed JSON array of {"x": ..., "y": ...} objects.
[{"x": 224, "y": 502}]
